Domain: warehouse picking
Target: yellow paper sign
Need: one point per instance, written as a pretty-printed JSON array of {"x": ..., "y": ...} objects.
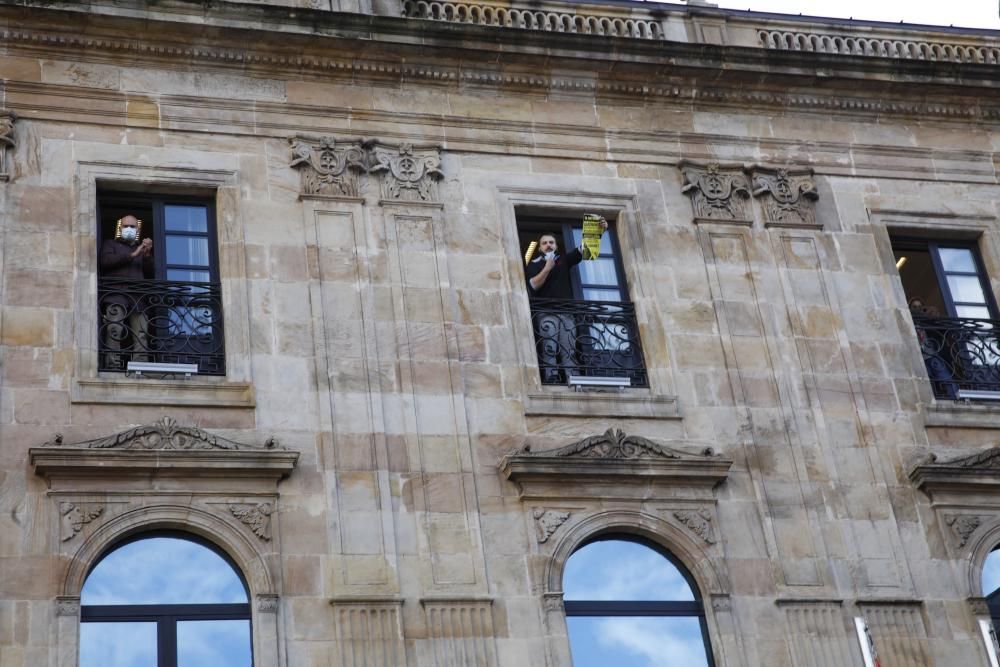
[{"x": 592, "y": 232}]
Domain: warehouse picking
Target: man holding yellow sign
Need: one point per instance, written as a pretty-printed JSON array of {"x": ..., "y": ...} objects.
[{"x": 549, "y": 278}]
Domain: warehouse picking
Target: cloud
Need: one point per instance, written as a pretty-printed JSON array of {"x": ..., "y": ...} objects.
[
  {"x": 620, "y": 570},
  {"x": 659, "y": 641}
]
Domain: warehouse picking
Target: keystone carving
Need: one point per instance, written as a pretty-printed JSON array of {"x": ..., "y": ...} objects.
[
  {"x": 75, "y": 517},
  {"x": 788, "y": 195},
  {"x": 717, "y": 192},
  {"x": 164, "y": 434},
  {"x": 547, "y": 522},
  {"x": 7, "y": 144},
  {"x": 963, "y": 526},
  {"x": 408, "y": 173},
  {"x": 614, "y": 444},
  {"x": 698, "y": 522},
  {"x": 257, "y": 517},
  {"x": 329, "y": 168}
]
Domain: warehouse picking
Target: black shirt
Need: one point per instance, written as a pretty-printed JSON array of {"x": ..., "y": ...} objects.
[{"x": 557, "y": 285}]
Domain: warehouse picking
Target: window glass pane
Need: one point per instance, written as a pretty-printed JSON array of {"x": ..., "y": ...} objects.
[
  {"x": 118, "y": 645},
  {"x": 976, "y": 312},
  {"x": 636, "y": 642},
  {"x": 601, "y": 294},
  {"x": 187, "y": 250},
  {"x": 621, "y": 570},
  {"x": 185, "y": 218},
  {"x": 599, "y": 272},
  {"x": 966, "y": 288},
  {"x": 213, "y": 643},
  {"x": 188, "y": 276},
  {"x": 957, "y": 259},
  {"x": 991, "y": 573},
  {"x": 162, "y": 570}
]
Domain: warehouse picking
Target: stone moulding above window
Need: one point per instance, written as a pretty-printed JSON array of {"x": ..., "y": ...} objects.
[
  {"x": 7, "y": 144},
  {"x": 612, "y": 464},
  {"x": 976, "y": 473},
  {"x": 337, "y": 168},
  {"x": 162, "y": 449}
]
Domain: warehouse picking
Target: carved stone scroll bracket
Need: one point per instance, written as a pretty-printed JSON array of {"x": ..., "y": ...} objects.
[
  {"x": 407, "y": 172},
  {"x": 719, "y": 193},
  {"x": 74, "y": 516},
  {"x": 787, "y": 195},
  {"x": 256, "y": 516},
  {"x": 329, "y": 167},
  {"x": 7, "y": 144},
  {"x": 547, "y": 522},
  {"x": 699, "y": 522}
]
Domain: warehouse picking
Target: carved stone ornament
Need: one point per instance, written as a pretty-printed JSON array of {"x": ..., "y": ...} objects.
[
  {"x": 75, "y": 516},
  {"x": 788, "y": 196},
  {"x": 963, "y": 526},
  {"x": 614, "y": 444},
  {"x": 267, "y": 603},
  {"x": 408, "y": 173},
  {"x": 257, "y": 517},
  {"x": 67, "y": 605},
  {"x": 717, "y": 192},
  {"x": 329, "y": 167},
  {"x": 7, "y": 144},
  {"x": 164, "y": 434},
  {"x": 547, "y": 522},
  {"x": 698, "y": 522}
]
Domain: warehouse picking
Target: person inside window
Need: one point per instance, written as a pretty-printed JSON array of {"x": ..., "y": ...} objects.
[
  {"x": 129, "y": 257},
  {"x": 548, "y": 276}
]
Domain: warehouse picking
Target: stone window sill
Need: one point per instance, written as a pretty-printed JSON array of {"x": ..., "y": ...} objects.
[
  {"x": 147, "y": 391},
  {"x": 565, "y": 402},
  {"x": 959, "y": 414}
]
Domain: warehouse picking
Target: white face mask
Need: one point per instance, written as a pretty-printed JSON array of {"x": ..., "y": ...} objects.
[{"x": 128, "y": 233}]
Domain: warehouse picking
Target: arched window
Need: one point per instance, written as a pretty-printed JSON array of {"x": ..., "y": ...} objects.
[
  {"x": 164, "y": 600},
  {"x": 991, "y": 584},
  {"x": 630, "y": 604}
]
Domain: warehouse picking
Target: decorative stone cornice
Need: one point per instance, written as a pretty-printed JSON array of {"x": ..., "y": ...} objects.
[
  {"x": 7, "y": 144},
  {"x": 610, "y": 465},
  {"x": 163, "y": 448},
  {"x": 719, "y": 193},
  {"x": 979, "y": 473},
  {"x": 788, "y": 195}
]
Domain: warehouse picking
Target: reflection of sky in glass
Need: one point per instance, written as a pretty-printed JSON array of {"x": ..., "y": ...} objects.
[
  {"x": 991, "y": 573},
  {"x": 213, "y": 644},
  {"x": 118, "y": 645},
  {"x": 620, "y": 570},
  {"x": 636, "y": 642},
  {"x": 162, "y": 570}
]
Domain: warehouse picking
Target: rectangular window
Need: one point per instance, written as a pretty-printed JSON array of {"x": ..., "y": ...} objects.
[
  {"x": 955, "y": 316},
  {"x": 165, "y": 305},
  {"x": 584, "y": 324}
]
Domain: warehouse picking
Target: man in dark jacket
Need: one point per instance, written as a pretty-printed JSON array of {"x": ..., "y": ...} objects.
[
  {"x": 555, "y": 331},
  {"x": 125, "y": 321}
]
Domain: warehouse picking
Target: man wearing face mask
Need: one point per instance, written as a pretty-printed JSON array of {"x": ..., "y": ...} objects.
[
  {"x": 549, "y": 278},
  {"x": 125, "y": 322}
]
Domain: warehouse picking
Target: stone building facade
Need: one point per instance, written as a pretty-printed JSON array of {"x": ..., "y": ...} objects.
[{"x": 369, "y": 436}]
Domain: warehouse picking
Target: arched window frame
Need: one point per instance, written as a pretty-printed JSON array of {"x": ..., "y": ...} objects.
[
  {"x": 167, "y": 616},
  {"x": 645, "y": 608}
]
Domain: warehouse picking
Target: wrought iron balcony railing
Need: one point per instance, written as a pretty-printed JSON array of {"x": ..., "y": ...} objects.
[
  {"x": 160, "y": 321},
  {"x": 962, "y": 355},
  {"x": 587, "y": 338}
]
